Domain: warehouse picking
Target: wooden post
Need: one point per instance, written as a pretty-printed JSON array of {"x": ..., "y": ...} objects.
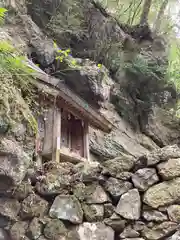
[
  {"x": 86, "y": 140},
  {"x": 56, "y": 135}
]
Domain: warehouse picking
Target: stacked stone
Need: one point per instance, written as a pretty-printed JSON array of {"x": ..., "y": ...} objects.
[{"x": 123, "y": 198}]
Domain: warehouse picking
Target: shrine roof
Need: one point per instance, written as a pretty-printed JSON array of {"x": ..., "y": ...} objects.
[{"x": 75, "y": 104}]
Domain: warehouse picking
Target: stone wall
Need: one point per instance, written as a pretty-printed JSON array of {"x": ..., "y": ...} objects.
[{"x": 124, "y": 198}]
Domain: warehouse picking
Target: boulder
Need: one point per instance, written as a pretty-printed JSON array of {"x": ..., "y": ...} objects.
[
  {"x": 154, "y": 216},
  {"x": 9, "y": 208},
  {"x": 35, "y": 229},
  {"x": 14, "y": 163},
  {"x": 88, "y": 171},
  {"x": 169, "y": 169},
  {"x": 117, "y": 225},
  {"x": 160, "y": 231},
  {"x": 67, "y": 207},
  {"x": 138, "y": 226},
  {"x": 18, "y": 231},
  {"x": 96, "y": 231},
  {"x": 163, "y": 193},
  {"x": 162, "y": 154},
  {"x": 55, "y": 229},
  {"x": 119, "y": 164},
  {"x": 129, "y": 205},
  {"x": 93, "y": 212},
  {"x": 144, "y": 178},
  {"x": 129, "y": 232},
  {"x": 56, "y": 181},
  {"x": 33, "y": 206},
  {"x": 174, "y": 213},
  {"x": 117, "y": 187},
  {"x": 92, "y": 193},
  {"x": 22, "y": 191}
]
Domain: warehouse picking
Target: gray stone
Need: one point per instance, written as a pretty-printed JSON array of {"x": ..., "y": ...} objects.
[
  {"x": 153, "y": 215},
  {"x": 175, "y": 236},
  {"x": 129, "y": 232},
  {"x": 169, "y": 169},
  {"x": 117, "y": 225},
  {"x": 14, "y": 163},
  {"x": 129, "y": 205},
  {"x": 9, "y": 208},
  {"x": 117, "y": 187},
  {"x": 93, "y": 212},
  {"x": 163, "y": 193},
  {"x": 67, "y": 207},
  {"x": 35, "y": 229},
  {"x": 88, "y": 171},
  {"x": 55, "y": 229},
  {"x": 119, "y": 164},
  {"x": 144, "y": 178},
  {"x": 56, "y": 181},
  {"x": 95, "y": 231},
  {"x": 18, "y": 231},
  {"x": 162, "y": 154},
  {"x": 160, "y": 231},
  {"x": 92, "y": 193},
  {"x": 22, "y": 191},
  {"x": 33, "y": 206},
  {"x": 174, "y": 213}
]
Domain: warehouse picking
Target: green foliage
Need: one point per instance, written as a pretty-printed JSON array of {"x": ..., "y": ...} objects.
[
  {"x": 144, "y": 66},
  {"x": 16, "y": 86},
  {"x": 2, "y": 14}
]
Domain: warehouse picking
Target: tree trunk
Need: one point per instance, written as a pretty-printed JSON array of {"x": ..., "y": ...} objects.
[
  {"x": 145, "y": 12},
  {"x": 158, "y": 21}
]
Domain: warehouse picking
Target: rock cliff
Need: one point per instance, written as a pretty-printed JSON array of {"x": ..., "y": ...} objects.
[{"x": 130, "y": 189}]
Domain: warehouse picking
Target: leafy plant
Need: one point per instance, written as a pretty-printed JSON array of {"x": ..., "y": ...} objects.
[
  {"x": 16, "y": 87},
  {"x": 2, "y": 14}
]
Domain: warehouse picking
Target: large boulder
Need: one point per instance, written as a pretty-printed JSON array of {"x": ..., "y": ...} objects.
[
  {"x": 33, "y": 206},
  {"x": 163, "y": 193},
  {"x": 55, "y": 229},
  {"x": 68, "y": 208},
  {"x": 18, "y": 231},
  {"x": 118, "y": 165},
  {"x": 92, "y": 193},
  {"x": 169, "y": 169},
  {"x": 14, "y": 163},
  {"x": 129, "y": 205},
  {"x": 144, "y": 178},
  {"x": 96, "y": 231},
  {"x": 160, "y": 231},
  {"x": 9, "y": 208},
  {"x": 116, "y": 187}
]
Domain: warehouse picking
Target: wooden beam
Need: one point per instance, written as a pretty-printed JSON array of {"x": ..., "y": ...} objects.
[
  {"x": 56, "y": 134},
  {"x": 86, "y": 141}
]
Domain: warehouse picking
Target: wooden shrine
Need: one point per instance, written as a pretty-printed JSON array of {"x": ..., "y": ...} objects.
[{"x": 63, "y": 130}]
